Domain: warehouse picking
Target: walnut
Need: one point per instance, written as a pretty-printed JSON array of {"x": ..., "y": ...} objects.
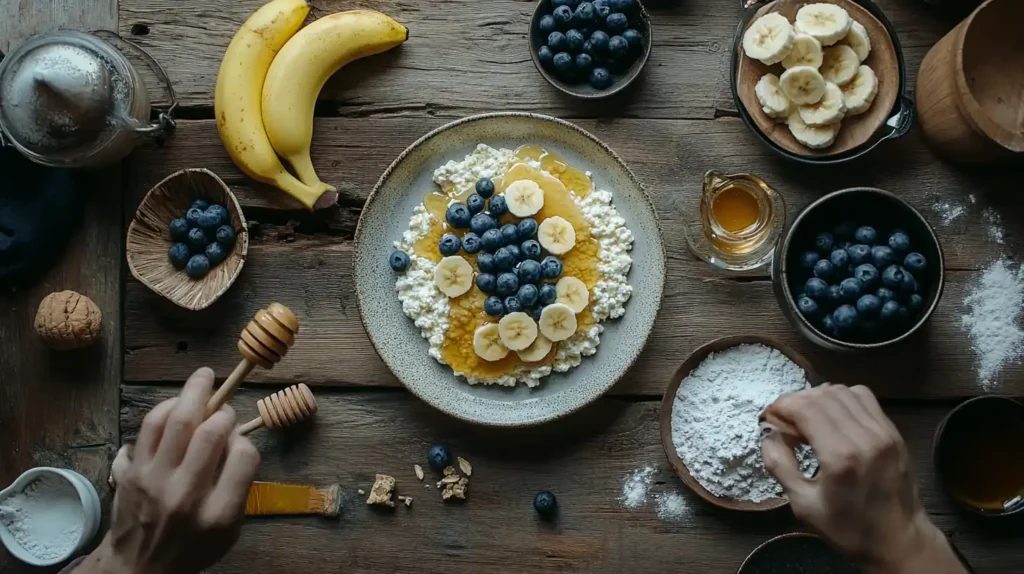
[{"x": 68, "y": 320}]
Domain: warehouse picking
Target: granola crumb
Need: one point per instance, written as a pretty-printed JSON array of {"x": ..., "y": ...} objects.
[
  {"x": 408, "y": 501},
  {"x": 381, "y": 492},
  {"x": 418, "y": 470},
  {"x": 361, "y": 492},
  {"x": 465, "y": 466},
  {"x": 449, "y": 471}
]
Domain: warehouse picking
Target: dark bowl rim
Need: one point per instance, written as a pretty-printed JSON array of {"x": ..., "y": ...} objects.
[
  {"x": 772, "y": 541},
  {"x": 781, "y": 277},
  {"x": 622, "y": 84}
]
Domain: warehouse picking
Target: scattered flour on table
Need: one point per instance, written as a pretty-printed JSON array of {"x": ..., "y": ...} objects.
[
  {"x": 995, "y": 225},
  {"x": 672, "y": 506},
  {"x": 46, "y": 519},
  {"x": 634, "y": 487},
  {"x": 715, "y": 420},
  {"x": 991, "y": 318},
  {"x": 949, "y": 212}
]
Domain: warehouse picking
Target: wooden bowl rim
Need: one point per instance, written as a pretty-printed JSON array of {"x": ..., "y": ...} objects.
[
  {"x": 626, "y": 79},
  {"x": 242, "y": 235},
  {"x": 692, "y": 361}
]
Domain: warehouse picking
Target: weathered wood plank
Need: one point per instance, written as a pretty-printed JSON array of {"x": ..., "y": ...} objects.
[
  {"x": 20, "y": 19},
  {"x": 360, "y": 433},
  {"x": 465, "y": 57}
]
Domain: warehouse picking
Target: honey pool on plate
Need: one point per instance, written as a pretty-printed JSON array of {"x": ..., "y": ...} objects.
[{"x": 466, "y": 312}]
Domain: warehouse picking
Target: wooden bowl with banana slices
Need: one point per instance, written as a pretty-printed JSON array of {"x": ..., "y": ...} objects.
[{"x": 819, "y": 80}]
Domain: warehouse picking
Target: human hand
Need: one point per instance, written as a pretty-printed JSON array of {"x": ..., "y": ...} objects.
[
  {"x": 864, "y": 498},
  {"x": 173, "y": 513}
]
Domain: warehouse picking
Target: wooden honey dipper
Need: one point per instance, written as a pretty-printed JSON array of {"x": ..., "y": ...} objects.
[
  {"x": 263, "y": 342},
  {"x": 283, "y": 409}
]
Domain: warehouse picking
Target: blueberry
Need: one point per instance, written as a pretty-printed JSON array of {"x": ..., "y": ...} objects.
[
  {"x": 816, "y": 288},
  {"x": 867, "y": 274},
  {"x": 225, "y": 235},
  {"x": 517, "y": 255},
  {"x": 824, "y": 242},
  {"x": 399, "y": 261},
  {"x": 839, "y": 258},
  {"x": 828, "y": 325},
  {"x": 882, "y": 256},
  {"x": 487, "y": 283},
  {"x": 562, "y": 16},
  {"x": 547, "y": 24},
  {"x": 892, "y": 277},
  {"x": 808, "y": 307},
  {"x": 634, "y": 38},
  {"x": 616, "y": 23},
  {"x": 574, "y": 41},
  {"x": 485, "y": 187},
  {"x": 529, "y": 271},
  {"x": 491, "y": 240},
  {"x": 221, "y": 212},
  {"x": 480, "y": 223},
  {"x": 471, "y": 243},
  {"x": 824, "y": 269},
  {"x": 914, "y": 262},
  {"x": 835, "y": 294},
  {"x": 547, "y": 294},
  {"x": 551, "y": 267},
  {"x": 859, "y": 254},
  {"x": 885, "y": 294},
  {"x": 458, "y": 216},
  {"x": 497, "y": 207},
  {"x": 196, "y": 240},
  {"x": 869, "y": 305},
  {"x": 513, "y": 304},
  {"x": 599, "y": 41},
  {"x": 851, "y": 289},
  {"x": 485, "y": 263},
  {"x": 530, "y": 249},
  {"x": 844, "y": 231},
  {"x": 844, "y": 245},
  {"x": 192, "y": 216},
  {"x": 546, "y": 57},
  {"x": 560, "y": 3},
  {"x": 449, "y": 244},
  {"x": 909, "y": 283},
  {"x": 438, "y": 457},
  {"x": 808, "y": 259},
  {"x": 899, "y": 242},
  {"x": 178, "y": 229},
  {"x": 535, "y": 313},
  {"x": 216, "y": 253},
  {"x": 845, "y": 317},
  {"x": 602, "y": 11},
  {"x": 179, "y": 255},
  {"x": 527, "y": 228},
  {"x": 508, "y": 284},
  {"x": 600, "y": 78},
  {"x": 588, "y": 49},
  {"x": 622, "y": 5},
  {"x": 585, "y": 15},
  {"x": 583, "y": 64},
  {"x": 510, "y": 233},
  {"x": 545, "y": 504},
  {"x": 890, "y": 312},
  {"x": 865, "y": 234},
  {"x": 915, "y": 303},
  {"x": 504, "y": 260},
  {"x": 558, "y": 43},
  {"x": 563, "y": 62},
  {"x": 198, "y": 266},
  {"x": 475, "y": 203},
  {"x": 200, "y": 204},
  {"x": 618, "y": 48},
  {"x": 528, "y": 295}
]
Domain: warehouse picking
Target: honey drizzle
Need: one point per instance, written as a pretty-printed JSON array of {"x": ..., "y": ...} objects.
[{"x": 466, "y": 313}]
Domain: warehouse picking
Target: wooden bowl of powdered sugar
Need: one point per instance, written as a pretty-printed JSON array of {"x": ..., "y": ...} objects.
[{"x": 709, "y": 419}]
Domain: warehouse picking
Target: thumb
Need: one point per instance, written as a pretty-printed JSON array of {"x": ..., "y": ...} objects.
[{"x": 780, "y": 461}]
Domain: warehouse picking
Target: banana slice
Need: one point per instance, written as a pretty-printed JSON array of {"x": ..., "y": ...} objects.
[
  {"x": 812, "y": 137},
  {"x": 806, "y": 52},
  {"x": 859, "y": 40},
  {"x": 524, "y": 198},
  {"x": 839, "y": 64},
  {"x": 769, "y": 94},
  {"x": 556, "y": 235},
  {"x": 487, "y": 343},
  {"x": 826, "y": 22},
  {"x": 768, "y": 39},
  {"x": 517, "y": 330},
  {"x": 572, "y": 293},
  {"x": 453, "y": 275},
  {"x": 830, "y": 109},
  {"x": 859, "y": 94},
  {"x": 557, "y": 322},
  {"x": 802, "y": 85},
  {"x": 537, "y": 351}
]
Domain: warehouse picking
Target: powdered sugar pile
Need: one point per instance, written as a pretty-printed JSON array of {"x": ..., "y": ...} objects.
[
  {"x": 995, "y": 225},
  {"x": 634, "y": 488},
  {"x": 715, "y": 420},
  {"x": 992, "y": 319},
  {"x": 46, "y": 519},
  {"x": 949, "y": 212},
  {"x": 672, "y": 507}
]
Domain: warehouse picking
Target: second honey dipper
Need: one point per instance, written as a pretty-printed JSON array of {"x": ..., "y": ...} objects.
[{"x": 283, "y": 409}]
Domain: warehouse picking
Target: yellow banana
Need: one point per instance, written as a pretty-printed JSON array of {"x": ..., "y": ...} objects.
[
  {"x": 302, "y": 68},
  {"x": 237, "y": 100}
]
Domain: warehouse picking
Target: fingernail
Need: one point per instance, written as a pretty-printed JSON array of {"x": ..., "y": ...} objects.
[{"x": 767, "y": 429}]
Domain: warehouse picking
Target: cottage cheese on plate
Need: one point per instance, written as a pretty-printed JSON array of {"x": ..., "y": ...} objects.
[{"x": 424, "y": 303}]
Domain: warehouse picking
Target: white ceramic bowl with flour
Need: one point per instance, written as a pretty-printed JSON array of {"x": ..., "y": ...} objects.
[{"x": 48, "y": 515}]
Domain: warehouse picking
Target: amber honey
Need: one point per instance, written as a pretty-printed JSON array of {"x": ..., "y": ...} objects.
[
  {"x": 735, "y": 209},
  {"x": 466, "y": 313}
]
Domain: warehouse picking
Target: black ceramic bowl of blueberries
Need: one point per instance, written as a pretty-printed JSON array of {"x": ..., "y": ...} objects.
[
  {"x": 590, "y": 49},
  {"x": 858, "y": 269}
]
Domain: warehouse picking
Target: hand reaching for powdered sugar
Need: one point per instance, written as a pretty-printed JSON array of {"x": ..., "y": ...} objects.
[
  {"x": 173, "y": 512},
  {"x": 863, "y": 499}
]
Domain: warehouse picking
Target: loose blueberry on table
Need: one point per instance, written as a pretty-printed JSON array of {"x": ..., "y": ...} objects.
[
  {"x": 545, "y": 504},
  {"x": 439, "y": 457},
  {"x": 202, "y": 238}
]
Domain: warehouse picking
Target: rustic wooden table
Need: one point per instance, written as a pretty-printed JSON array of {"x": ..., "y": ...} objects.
[{"x": 465, "y": 57}]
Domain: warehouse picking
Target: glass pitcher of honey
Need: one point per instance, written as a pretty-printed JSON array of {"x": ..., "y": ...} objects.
[{"x": 741, "y": 217}]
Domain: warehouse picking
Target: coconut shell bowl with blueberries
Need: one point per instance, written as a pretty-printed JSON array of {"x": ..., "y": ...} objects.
[
  {"x": 859, "y": 269},
  {"x": 590, "y": 49}
]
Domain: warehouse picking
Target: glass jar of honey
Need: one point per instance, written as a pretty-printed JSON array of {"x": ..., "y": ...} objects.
[{"x": 741, "y": 217}]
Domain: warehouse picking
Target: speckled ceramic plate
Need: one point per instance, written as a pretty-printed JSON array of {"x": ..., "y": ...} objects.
[{"x": 398, "y": 341}]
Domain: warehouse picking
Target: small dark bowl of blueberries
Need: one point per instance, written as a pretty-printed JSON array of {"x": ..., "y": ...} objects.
[
  {"x": 858, "y": 269},
  {"x": 590, "y": 48}
]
